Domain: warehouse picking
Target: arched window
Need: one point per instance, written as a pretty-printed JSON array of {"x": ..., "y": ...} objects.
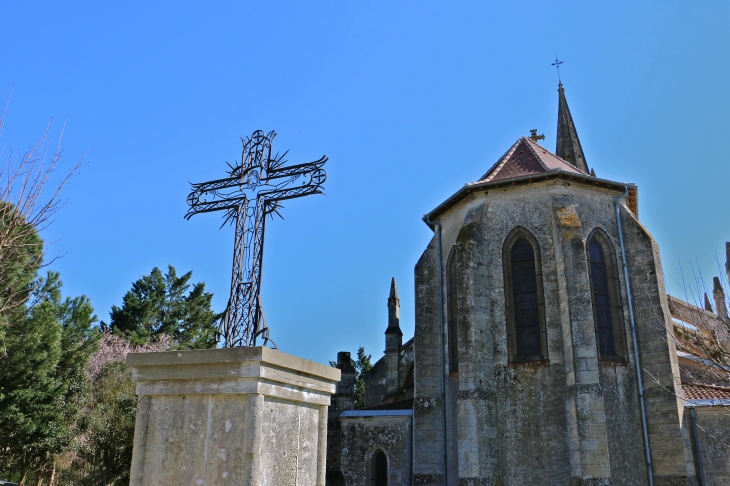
[
  {"x": 380, "y": 469},
  {"x": 452, "y": 312},
  {"x": 525, "y": 306},
  {"x": 606, "y": 297}
]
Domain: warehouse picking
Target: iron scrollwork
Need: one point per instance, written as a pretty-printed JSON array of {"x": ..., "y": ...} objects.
[{"x": 253, "y": 190}]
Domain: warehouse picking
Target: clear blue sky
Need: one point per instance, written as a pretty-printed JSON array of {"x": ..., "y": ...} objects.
[{"x": 410, "y": 100}]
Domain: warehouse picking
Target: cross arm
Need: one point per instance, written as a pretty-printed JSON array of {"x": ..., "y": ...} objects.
[
  {"x": 216, "y": 200},
  {"x": 297, "y": 170}
]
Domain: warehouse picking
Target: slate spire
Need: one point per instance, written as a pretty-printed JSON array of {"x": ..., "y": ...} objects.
[{"x": 568, "y": 145}]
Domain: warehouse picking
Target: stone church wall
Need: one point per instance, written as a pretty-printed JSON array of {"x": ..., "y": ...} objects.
[{"x": 570, "y": 417}]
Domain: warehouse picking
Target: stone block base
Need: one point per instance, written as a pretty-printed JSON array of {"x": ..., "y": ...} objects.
[{"x": 242, "y": 416}]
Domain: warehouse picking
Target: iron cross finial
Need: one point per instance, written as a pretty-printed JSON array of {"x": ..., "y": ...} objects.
[{"x": 557, "y": 64}]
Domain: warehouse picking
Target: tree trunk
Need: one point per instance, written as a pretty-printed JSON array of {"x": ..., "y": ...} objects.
[
  {"x": 22, "y": 478},
  {"x": 39, "y": 481},
  {"x": 103, "y": 473},
  {"x": 53, "y": 475}
]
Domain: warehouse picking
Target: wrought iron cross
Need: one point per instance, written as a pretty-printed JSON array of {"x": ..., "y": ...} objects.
[
  {"x": 253, "y": 190},
  {"x": 557, "y": 64}
]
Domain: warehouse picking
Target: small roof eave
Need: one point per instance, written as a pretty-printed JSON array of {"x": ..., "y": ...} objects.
[
  {"x": 707, "y": 402},
  {"x": 376, "y": 413},
  {"x": 475, "y": 187}
]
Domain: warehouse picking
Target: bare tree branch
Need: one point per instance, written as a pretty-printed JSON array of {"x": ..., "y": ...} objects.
[{"x": 28, "y": 203}]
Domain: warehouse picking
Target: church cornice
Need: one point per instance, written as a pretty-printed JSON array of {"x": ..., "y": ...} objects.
[{"x": 484, "y": 186}]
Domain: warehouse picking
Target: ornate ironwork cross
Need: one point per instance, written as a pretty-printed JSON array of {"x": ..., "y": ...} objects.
[
  {"x": 253, "y": 190},
  {"x": 557, "y": 64}
]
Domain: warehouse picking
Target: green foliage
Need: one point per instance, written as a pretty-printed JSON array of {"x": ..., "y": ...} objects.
[
  {"x": 42, "y": 380},
  {"x": 21, "y": 251},
  {"x": 110, "y": 422},
  {"x": 158, "y": 304},
  {"x": 361, "y": 365}
]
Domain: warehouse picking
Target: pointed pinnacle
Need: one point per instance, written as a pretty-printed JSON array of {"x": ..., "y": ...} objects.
[
  {"x": 717, "y": 286},
  {"x": 708, "y": 305},
  {"x": 393, "y": 290}
]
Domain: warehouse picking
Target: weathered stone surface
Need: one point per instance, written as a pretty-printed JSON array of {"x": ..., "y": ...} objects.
[
  {"x": 713, "y": 427},
  {"x": 365, "y": 434},
  {"x": 568, "y": 414},
  {"x": 213, "y": 417},
  {"x": 570, "y": 418}
]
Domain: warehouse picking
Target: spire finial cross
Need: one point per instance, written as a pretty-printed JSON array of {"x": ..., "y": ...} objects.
[{"x": 557, "y": 64}]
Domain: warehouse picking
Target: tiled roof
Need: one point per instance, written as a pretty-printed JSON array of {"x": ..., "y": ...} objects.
[
  {"x": 527, "y": 157},
  {"x": 705, "y": 392}
]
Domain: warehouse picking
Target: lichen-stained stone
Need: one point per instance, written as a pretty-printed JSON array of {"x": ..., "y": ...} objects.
[
  {"x": 366, "y": 432},
  {"x": 243, "y": 416},
  {"x": 570, "y": 418}
]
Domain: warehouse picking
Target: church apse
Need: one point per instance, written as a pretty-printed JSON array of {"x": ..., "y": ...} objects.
[{"x": 525, "y": 366}]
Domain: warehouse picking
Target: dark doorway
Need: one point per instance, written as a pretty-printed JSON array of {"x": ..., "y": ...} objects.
[{"x": 380, "y": 469}]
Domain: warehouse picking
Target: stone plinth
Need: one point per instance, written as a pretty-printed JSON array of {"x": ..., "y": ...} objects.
[{"x": 242, "y": 416}]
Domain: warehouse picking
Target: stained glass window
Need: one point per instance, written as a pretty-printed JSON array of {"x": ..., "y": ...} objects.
[
  {"x": 525, "y": 300},
  {"x": 606, "y": 302}
]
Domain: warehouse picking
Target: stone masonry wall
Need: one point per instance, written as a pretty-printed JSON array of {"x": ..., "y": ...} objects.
[
  {"x": 571, "y": 418},
  {"x": 713, "y": 427},
  {"x": 670, "y": 455},
  {"x": 363, "y": 436},
  {"x": 428, "y": 454}
]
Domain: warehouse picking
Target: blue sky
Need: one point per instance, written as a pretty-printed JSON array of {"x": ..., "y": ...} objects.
[{"x": 410, "y": 100}]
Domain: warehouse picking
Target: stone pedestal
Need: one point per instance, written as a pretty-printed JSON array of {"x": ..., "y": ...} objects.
[{"x": 242, "y": 416}]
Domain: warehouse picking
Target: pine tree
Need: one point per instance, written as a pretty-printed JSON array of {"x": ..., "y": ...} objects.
[
  {"x": 160, "y": 304},
  {"x": 362, "y": 366},
  {"x": 42, "y": 381}
]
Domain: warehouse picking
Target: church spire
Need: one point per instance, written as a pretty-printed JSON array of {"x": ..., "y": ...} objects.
[
  {"x": 393, "y": 310},
  {"x": 568, "y": 146},
  {"x": 393, "y": 334}
]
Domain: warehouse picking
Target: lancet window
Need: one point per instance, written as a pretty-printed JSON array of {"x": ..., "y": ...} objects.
[
  {"x": 606, "y": 297},
  {"x": 525, "y": 305}
]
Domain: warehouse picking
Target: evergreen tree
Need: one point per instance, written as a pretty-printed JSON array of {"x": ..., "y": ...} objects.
[
  {"x": 361, "y": 365},
  {"x": 157, "y": 304},
  {"x": 42, "y": 381},
  {"x": 20, "y": 258}
]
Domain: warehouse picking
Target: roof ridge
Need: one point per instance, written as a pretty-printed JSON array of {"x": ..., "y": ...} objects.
[
  {"x": 494, "y": 169},
  {"x": 534, "y": 152}
]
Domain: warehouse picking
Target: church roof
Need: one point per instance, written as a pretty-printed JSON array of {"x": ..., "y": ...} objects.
[
  {"x": 527, "y": 157},
  {"x": 528, "y": 162},
  {"x": 697, "y": 392}
]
